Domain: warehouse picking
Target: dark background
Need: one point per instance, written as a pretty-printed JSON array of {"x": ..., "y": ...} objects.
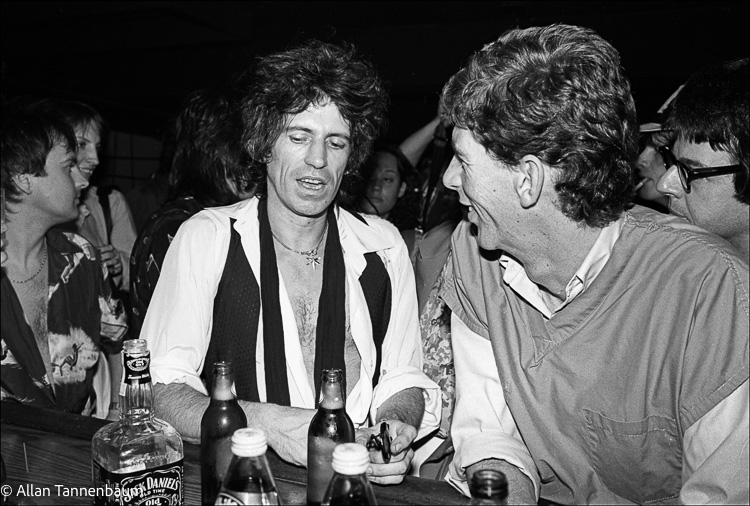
[{"x": 135, "y": 61}]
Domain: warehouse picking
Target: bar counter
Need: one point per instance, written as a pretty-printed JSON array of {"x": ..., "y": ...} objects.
[{"x": 48, "y": 455}]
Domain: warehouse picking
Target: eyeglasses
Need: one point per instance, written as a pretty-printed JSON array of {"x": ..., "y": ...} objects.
[
  {"x": 381, "y": 442},
  {"x": 687, "y": 174}
]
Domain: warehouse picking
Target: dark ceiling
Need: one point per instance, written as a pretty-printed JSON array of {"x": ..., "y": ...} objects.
[{"x": 135, "y": 61}]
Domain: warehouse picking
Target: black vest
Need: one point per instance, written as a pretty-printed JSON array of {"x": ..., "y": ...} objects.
[{"x": 237, "y": 310}]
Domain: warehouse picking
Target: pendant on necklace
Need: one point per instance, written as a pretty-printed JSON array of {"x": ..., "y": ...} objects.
[{"x": 314, "y": 262}]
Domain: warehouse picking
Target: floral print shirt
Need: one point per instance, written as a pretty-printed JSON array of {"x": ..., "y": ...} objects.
[
  {"x": 435, "y": 325},
  {"x": 82, "y": 320}
]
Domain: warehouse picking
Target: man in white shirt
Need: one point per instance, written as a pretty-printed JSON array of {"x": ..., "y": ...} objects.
[
  {"x": 337, "y": 290},
  {"x": 600, "y": 351}
]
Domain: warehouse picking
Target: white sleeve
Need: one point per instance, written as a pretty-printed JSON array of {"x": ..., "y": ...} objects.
[
  {"x": 401, "y": 366},
  {"x": 482, "y": 426},
  {"x": 715, "y": 454},
  {"x": 179, "y": 319}
]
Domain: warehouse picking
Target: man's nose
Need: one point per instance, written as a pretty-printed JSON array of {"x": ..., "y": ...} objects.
[
  {"x": 79, "y": 179},
  {"x": 451, "y": 177},
  {"x": 317, "y": 156},
  {"x": 669, "y": 183}
]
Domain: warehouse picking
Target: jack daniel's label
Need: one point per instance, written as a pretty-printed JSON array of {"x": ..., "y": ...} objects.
[
  {"x": 158, "y": 486},
  {"x": 137, "y": 368}
]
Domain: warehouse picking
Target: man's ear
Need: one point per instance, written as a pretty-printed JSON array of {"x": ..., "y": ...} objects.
[
  {"x": 23, "y": 183},
  {"x": 529, "y": 180}
]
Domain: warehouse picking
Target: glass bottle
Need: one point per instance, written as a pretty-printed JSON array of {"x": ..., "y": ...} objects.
[
  {"x": 139, "y": 457},
  {"x": 349, "y": 484},
  {"x": 222, "y": 417},
  {"x": 249, "y": 479},
  {"x": 329, "y": 427},
  {"x": 488, "y": 487}
]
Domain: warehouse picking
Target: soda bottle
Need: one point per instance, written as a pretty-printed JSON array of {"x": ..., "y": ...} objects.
[
  {"x": 249, "y": 479},
  {"x": 139, "y": 457},
  {"x": 329, "y": 427},
  {"x": 349, "y": 485},
  {"x": 488, "y": 487},
  {"x": 222, "y": 417}
]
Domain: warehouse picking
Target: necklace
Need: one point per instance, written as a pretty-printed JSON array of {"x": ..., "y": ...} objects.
[
  {"x": 41, "y": 266},
  {"x": 313, "y": 259}
]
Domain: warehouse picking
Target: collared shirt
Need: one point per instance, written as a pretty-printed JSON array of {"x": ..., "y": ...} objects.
[
  {"x": 713, "y": 441},
  {"x": 179, "y": 319},
  {"x": 515, "y": 275},
  {"x": 82, "y": 319}
]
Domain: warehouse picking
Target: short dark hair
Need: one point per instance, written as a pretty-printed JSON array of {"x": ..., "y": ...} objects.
[
  {"x": 209, "y": 154},
  {"x": 557, "y": 92},
  {"x": 29, "y": 131},
  {"x": 313, "y": 73},
  {"x": 713, "y": 108}
]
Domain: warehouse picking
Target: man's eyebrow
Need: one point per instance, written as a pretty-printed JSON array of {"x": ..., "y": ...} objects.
[
  {"x": 310, "y": 131},
  {"x": 695, "y": 163}
]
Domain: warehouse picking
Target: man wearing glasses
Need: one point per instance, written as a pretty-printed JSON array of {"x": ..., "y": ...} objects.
[{"x": 707, "y": 168}]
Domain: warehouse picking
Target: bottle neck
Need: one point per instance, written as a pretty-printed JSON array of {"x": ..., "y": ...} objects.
[
  {"x": 222, "y": 388},
  {"x": 332, "y": 395},
  {"x": 137, "y": 400},
  {"x": 137, "y": 403}
]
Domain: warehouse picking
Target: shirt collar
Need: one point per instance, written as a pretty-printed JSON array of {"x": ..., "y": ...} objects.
[{"x": 515, "y": 275}]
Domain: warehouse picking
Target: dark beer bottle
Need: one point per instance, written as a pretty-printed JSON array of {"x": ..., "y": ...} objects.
[
  {"x": 349, "y": 485},
  {"x": 249, "y": 479},
  {"x": 488, "y": 487},
  {"x": 222, "y": 417},
  {"x": 329, "y": 427}
]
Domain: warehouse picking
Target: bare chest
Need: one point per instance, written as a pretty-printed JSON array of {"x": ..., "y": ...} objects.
[
  {"x": 33, "y": 299},
  {"x": 303, "y": 285}
]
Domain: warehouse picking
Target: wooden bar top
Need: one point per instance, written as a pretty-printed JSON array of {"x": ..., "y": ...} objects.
[{"x": 48, "y": 455}]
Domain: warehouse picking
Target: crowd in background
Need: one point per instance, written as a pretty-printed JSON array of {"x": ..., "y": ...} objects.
[{"x": 656, "y": 196}]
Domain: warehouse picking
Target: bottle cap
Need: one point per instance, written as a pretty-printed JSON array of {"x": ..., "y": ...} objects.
[
  {"x": 350, "y": 458},
  {"x": 249, "y": 442}
]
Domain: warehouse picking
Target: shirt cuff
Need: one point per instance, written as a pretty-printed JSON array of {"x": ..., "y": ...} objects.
[
  {"x": 490, "y": 445},
  {"x": 168, "y": 375},
  {"x": 405, "y": 377}
]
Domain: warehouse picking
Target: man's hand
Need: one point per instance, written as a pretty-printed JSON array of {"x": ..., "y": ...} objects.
[
  {"x": 111, "y": 258},
  {"x": 402, "y": 435}
]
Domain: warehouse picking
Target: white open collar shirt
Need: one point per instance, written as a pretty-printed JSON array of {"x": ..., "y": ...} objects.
[{"x": 179, "y": 319}]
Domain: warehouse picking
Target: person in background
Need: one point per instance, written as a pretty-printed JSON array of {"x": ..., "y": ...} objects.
[
  {"x": 61, "y": 329},
  {"x": 650, "y": 163},
  {"x": 707, "y": 177},
  {"x": 148, "y": 197},
  {"x": 600, "y": 349},
  {"x": 391, "y": 191},
  {"x": 104, "y": 219},
  {"x": 207, "y": 171},
  {"x": 337, "y": 290}
]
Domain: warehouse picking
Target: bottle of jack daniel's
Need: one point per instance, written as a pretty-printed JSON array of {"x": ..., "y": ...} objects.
[{"x": 138, "y": 459}]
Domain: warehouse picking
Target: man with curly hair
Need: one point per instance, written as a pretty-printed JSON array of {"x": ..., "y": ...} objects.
[
  {"x": 707, "y": 180},
  {"x": 287, "y": 284},
  {"x": 600, "y": 351}
]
